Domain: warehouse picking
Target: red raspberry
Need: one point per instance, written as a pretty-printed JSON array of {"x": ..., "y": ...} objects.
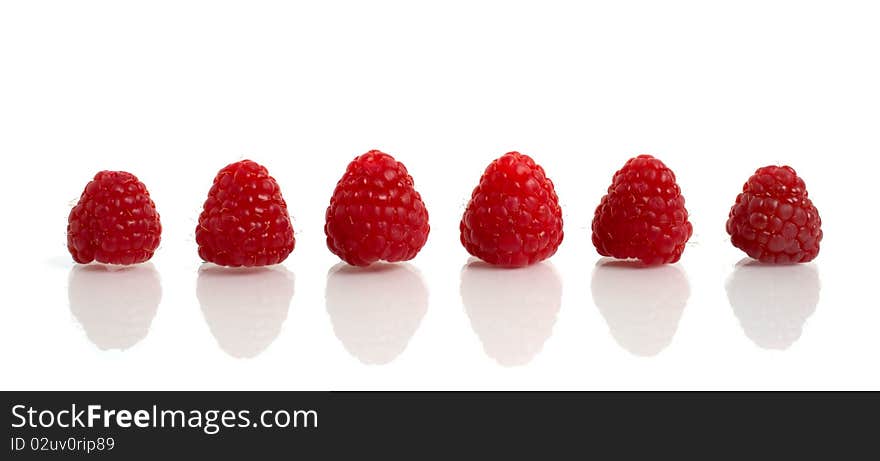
[
  {"x": 513, "y": 218},
  {"x": 115, "y": 221},
  {"x": 774, "y": 220},
  {"x": 375, "y": 213},
  {"x": 245, "y": 220},
  {"x": 643, "y": 215}
]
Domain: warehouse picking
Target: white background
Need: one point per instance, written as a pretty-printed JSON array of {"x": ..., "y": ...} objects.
[{"x": 173, "y": 91}]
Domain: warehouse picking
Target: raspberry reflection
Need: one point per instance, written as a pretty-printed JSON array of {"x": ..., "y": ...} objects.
[
  {"x": 245, "y": 308},
  {"x": 375, "y": 310},
  {"x": 512, "y": 310},
  {"x": 772, "y": 302},
  {"x": 641, "y": 304},
  {"x": 114, "y": 305}
]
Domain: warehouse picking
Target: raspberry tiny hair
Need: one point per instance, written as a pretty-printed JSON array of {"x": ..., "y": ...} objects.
[
  {"x": 244, "y": 222},
  {"x": 114, "y": 222},
  {"x": 773, "y": 219},
  {"x": 643, "y": 214},
  {"x": 513, "y": 218},
  {"x": 375, "y": 213}
]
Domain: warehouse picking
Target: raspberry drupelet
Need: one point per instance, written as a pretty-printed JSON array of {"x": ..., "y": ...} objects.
[{"x": 114, "y": 222}]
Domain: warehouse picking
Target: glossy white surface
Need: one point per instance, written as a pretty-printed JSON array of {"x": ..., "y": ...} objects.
[{"x": 173, "y": 91}]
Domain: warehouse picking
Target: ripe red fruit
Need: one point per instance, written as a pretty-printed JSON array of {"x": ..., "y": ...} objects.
[
  {"x": 375, "y": 212},
  {"x": 513, "y": 218},
  {"x": 245, "y": 220},
  {"x": 774, "y": 220},
  {"x": 643, "y": 215},
  {"x": 114, "y": 222}
]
